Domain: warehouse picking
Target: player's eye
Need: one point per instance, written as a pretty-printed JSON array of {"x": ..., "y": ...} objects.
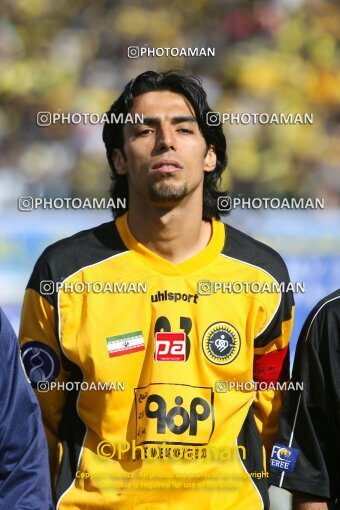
[
  {"x": 143, "y": 132},
  {"x": 185, "y": 130}
]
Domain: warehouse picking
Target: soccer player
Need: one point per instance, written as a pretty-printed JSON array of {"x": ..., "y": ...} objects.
[
  {"x": 310, "y": 423},
  {"x": 24, "y": 473},
  {"x": 178, "y": 436}
]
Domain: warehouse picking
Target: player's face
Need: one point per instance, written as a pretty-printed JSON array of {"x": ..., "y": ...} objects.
[{"x": 166, "y": 156}]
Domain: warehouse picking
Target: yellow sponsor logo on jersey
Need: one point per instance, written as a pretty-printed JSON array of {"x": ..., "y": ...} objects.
[{"x": 174, "y": 414}]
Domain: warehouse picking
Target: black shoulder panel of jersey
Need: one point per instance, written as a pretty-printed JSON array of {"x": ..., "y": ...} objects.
[
  {"x": 242, "y": 247},
  {"x": 65, "y": 257}
]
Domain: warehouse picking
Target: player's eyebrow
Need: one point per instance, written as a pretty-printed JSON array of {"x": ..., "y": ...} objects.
[
  {"x": 183, "y": 118},
  {"x": 155, "y": 121}
]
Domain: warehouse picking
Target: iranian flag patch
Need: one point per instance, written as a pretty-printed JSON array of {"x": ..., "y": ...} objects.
[{"x": 125, "y": 344}]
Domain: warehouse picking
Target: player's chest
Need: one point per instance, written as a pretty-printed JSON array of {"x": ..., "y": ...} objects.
[{"x": 163, "y": 330}]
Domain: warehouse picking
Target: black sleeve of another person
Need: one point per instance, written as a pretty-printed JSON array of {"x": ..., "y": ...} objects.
[
  {"x": 310, "y": 419},
  {"x": 24, "y": 471}
]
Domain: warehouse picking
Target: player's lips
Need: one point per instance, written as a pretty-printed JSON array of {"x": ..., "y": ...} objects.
[{"x": 167, "y": 166}]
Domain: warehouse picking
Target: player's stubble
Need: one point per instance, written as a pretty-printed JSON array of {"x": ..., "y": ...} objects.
[{"x": 164, "y": 191}]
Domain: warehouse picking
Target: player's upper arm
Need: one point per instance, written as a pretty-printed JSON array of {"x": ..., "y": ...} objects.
[
  {"x": 271, "y": 353},
  {"x": 310, "y": 422},
  {"x": 40, "y": 347}
]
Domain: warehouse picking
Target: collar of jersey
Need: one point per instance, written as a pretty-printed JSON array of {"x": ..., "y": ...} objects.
[{"x": 161, "y": 265}]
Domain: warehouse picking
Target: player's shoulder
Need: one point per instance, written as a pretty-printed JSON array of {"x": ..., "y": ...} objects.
[
  {"x": 82, "y": 249},
  {"x": 330, "y": 303},
  {"x": 241, "y": 246},
  {"x": 102, "y": 236},
  {"x": 327, "y": 308},
  {"x": 321, "y": 328}
]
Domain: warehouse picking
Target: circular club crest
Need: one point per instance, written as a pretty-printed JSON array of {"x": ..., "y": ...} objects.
[
  {"x": 221, "y": 343},
  {"x": 40, "y": 361}
]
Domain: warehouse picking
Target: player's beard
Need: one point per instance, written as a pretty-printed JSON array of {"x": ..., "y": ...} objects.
[{"x": 167, "y": 193}]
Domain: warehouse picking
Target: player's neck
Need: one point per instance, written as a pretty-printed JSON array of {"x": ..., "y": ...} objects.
[{"x": 176, "y": 234}]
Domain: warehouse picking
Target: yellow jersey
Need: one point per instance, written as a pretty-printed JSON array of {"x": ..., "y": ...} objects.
[{"x": 145, "y": 369}]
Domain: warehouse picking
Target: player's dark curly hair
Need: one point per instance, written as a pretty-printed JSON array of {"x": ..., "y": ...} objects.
[{"x": 191, "y": 88}]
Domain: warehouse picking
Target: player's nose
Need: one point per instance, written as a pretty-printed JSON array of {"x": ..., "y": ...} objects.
[{"x": 165, "y": 139}]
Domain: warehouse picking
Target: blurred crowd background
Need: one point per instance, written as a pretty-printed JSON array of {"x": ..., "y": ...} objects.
[
  {"x": 271, "y": 56},
  {"x": 278, "y": 56}
]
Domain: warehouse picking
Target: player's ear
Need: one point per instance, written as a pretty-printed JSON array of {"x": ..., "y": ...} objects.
[
  {"x": 210, "y": 159},
  {"x": 119, "y": 162}
]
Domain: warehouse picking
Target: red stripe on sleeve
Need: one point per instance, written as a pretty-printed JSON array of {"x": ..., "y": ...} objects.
[{"x": 272, "y": 367}]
